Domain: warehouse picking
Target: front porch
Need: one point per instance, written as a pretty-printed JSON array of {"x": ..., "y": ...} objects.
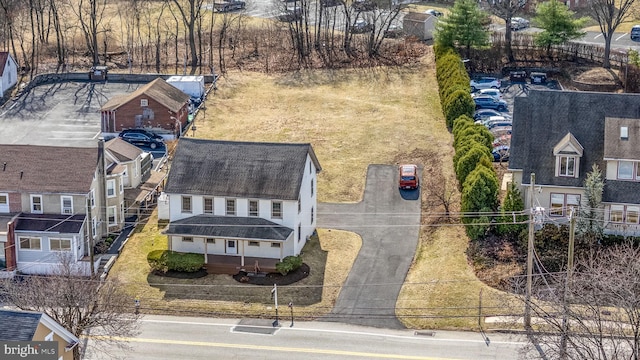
[{"x": 231, "y": 265}]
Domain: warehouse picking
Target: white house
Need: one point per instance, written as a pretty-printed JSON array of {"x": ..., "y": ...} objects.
[
  {"x": 240, "y": 199},
  {"x": 8, "y": 72}
]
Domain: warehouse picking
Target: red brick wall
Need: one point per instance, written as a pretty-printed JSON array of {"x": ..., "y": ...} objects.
[
  {"x": 125, "y": 115},
  {"x": 10, "y": 247},
  {"x": 15, "y": 202}
]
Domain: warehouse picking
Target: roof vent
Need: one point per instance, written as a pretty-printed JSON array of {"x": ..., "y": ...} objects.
[
  {"x": 21, "y": 173},
  {"x": 624, "y": 132},
  {"x": 4, "y": 166}
]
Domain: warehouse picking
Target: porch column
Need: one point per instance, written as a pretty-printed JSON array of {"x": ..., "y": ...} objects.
[
  {"x": 241, "y": 253},
  {"x": 281, "y": 251},
  {"x": 206, "y": 256}
]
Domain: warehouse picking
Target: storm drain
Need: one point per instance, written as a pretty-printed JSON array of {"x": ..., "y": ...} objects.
[
  {"x": 255, "y": 326},
  {"x": 425, "y": 333}
]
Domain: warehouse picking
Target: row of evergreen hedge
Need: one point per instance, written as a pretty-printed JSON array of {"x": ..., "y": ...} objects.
[{"x": 472, "y": 161}]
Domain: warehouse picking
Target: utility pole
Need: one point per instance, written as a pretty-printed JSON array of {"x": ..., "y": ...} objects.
[
  {"x": 527, "y": 304},
  {"x": 274, "y": 295},
  {"x": 565, "y": 300},
  {"x": 91, "y": 234}
]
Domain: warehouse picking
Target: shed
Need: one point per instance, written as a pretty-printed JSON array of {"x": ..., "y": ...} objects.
[
  {"x": 190, "y": 85},
  {"x": 98, "y": 73},
  {"x": 420, "y": 25}
]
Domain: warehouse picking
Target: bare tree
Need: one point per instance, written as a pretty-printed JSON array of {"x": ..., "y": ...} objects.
[
  {"x": 190, "y": 11},
  {"x": 90, "y": 14},
  {"x": 609, "y": 14},
  {"x": 78, "y": 303},
  {"x": 506, "y": 10},
  {"x": 597, "y": 314},
  {"x": 440, "y": 190}
]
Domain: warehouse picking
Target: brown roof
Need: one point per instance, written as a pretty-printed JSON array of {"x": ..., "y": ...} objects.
[
  {"x": 150, "y": 186},
  {"x": 3, "y": 60},
  {"x": 159, "y": 90},
  {"x": 122, "y": 150},
  {"x": 47, "y": 169}
]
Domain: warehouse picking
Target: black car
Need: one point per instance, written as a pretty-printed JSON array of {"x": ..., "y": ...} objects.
[
  {"x": 140, "y": 139},
  {"x": 141, "y": 131}
]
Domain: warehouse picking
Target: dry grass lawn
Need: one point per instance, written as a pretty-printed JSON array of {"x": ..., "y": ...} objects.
[{"x": 352, "y": 118}]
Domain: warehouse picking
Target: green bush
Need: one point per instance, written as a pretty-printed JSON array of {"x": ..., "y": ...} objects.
[
  {"x": 480, "y": 190},
  {"x": 472, "y": 158},
  {"x": 289, "y": 264},
  {"x": 461, "y": 123},
  {"x": 165, "y": 260},
  {"x": 457, "y": 104},
  {"x": 463, "y": 149},
  {"x": 157, "y": 259},
  {"x": 476, "y": 132}
]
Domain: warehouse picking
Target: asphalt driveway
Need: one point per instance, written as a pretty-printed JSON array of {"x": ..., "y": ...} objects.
[{"x": 388, "y": 220}]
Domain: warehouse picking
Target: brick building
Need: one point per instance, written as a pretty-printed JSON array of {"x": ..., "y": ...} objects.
[{"x": 156, "y": 105}]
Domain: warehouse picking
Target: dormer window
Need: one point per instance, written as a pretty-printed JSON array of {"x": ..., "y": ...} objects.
[
  {"x": 624, "y": 133},
  {"x": 144, "y": 102},
  {"x": 568, "y": 153}
]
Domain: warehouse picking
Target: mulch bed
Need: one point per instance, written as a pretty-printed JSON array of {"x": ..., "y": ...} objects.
[
  {"x": 182, "y": 275},
  {"x": 274, "y": 278}
]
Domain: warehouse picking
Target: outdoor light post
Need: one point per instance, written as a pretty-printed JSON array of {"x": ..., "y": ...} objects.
[
  {"x": 291, "y": 307},
  {"x": 137, "y": 305}
]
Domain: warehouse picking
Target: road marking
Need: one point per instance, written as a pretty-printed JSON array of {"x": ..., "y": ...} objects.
[
  {"x": 341, "y": 332},
  {"x": 621, "y": 36},
  {"x": 597, "y": 36},
  {"x": 268, "y": 348}
]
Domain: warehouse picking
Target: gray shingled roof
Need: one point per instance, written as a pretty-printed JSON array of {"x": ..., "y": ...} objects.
[
  {"x": 4, "y": 56},
  {"x": 122, "y": 150},
  {"x": 18, "y": 325},
  {"x": 544, "y": 117},
  {"x": 62, "y": 224},
  {"x": 234, "y": 227},
  {"x": 42, "y": 169},
  {"x": 239, "y": 169}
]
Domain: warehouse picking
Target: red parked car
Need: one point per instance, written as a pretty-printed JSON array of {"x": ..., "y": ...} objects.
[{"x": 408, "y": 177}]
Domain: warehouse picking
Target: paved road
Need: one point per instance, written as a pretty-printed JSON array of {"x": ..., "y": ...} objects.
[
  {"x": 388, "y": 221},
  {"x": 169, "y": 338}
]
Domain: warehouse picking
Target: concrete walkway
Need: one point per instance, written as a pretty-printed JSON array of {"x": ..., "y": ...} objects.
[{"x": 388, "y": 220}]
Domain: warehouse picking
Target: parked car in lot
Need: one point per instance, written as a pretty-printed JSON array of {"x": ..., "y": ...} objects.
[
  {"x": 408, "y": 177},
  {"x": 498, "y": 123},
  {"x": 226, "y": 6},
  {"x": 361, "y": 27},
  {"x": 488, "y": 102},
  {"x": 483, "y": 115},
  {"x": 518, "y": 23},
  {"x": 635, "y": 33},
  {"x": 290, "y": 15},
  {"x": 141, "y": 139},
  {"x": 491, "y": 92},
  {"x": 433, "y": 12},
  {"x": 330, "y": 3},
  {"x": 485, "y": 83},
  {"x": 492, "y": 120},
  {"x": 148, "y": 133},
  {"x": 500, "y": 153}
]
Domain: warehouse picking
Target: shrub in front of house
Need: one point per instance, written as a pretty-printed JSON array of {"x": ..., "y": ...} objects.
[
  {"x": 289, "y": 264},
  {"x": 165, "y": 260}
]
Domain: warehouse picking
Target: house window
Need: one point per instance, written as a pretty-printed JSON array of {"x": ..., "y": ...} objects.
[
  {"x": 276, "y": 210},
  {"x": 299, "y": 232},
  {"x": 4, "y": 202},
  {"x": 624, "y": 214},
  {"x": 231, "y": 207},
  {"x": 561, "y": 203},
  {"x": 111, "y": 188},
  {"x": 92, "y": 198},
  {"x": 299, "y": 206},
  {"x": 36, "y": 204},
  {"x": 67, "y": 204},
  {"x": 208, "y": 205},
  {"x": 111, "y": 215},
  {"x": 311, "y": 215},
  {"x": 60, "y": 244},
  {"x": 186, "y": 204},
  {"x": 253, "y": 207},
  {"x": 275, "y": 245},
  {"x": 311, "y": 187},
  {"x": 625, "y": 170},
  {"x": 187, "y": 239},
  {"x": 125, "y": 174},
  {"x": 94, "y": 226},
  {"x": 29, "y": 243},
  {"x": 121, "y": 185},
  {"x": 567, "y": 166},
  {"x": 144, "y": 102},
  {"x": 624, "y": 132},
  {"x": 211, "y": 241},
  {"x": 135, "y": 168},
  {"x": 254, "y": 243},
  {"x": 49, "y": 337}
]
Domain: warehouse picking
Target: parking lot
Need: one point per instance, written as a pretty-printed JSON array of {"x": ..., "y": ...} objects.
[{"x": 61, "y": 114}]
